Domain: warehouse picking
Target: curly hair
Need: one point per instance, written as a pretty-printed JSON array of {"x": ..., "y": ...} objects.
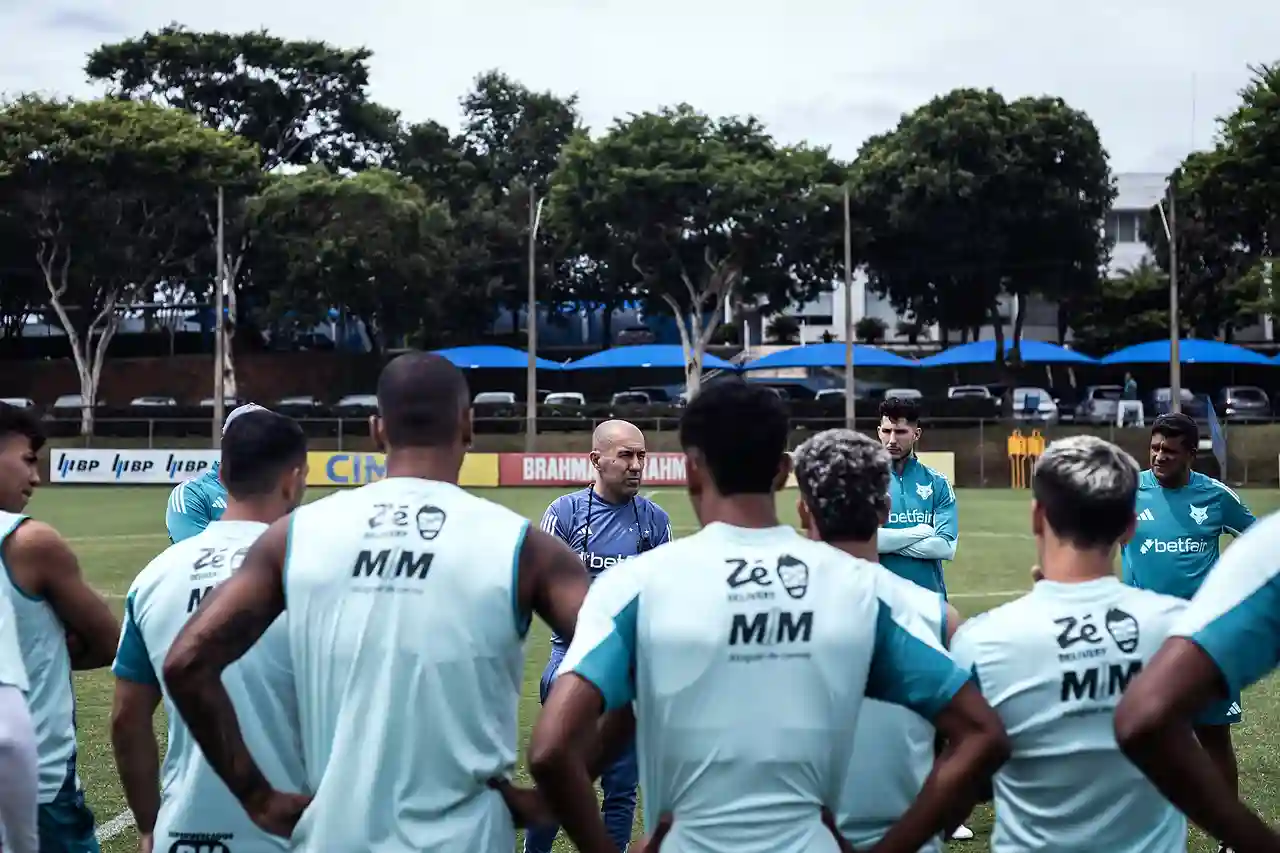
[{"x": 844, "y": 479}]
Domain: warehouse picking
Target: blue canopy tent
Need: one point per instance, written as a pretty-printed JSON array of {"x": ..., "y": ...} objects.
[
  {"x": 644, "y": 356},
  {"x": 1190, "y": 351},
  {"x": 493, "y": 357},
  {"x": 828, "y": 355},
  {"x": 984, "y": 352}
]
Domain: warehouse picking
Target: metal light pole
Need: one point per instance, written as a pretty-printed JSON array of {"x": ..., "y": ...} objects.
[
  {"x": 531, "y": 327},
  {"x": 849, "y": 409},
  {"x": 219, "y": 329},
  {"x": 1170, "y": 224}
]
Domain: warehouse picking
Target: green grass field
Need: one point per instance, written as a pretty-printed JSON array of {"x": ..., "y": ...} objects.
[{"x": 116, "y": 531}]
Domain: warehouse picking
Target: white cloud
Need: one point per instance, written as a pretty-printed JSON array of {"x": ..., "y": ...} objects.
[{"x": 1153, "y": 74}]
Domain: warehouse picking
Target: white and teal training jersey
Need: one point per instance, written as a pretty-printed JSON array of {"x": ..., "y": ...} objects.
[
  {"x": 408, "y": 650},
  {"x": 1176, "y": 541},
  {"x": 42, "y": 639},
  {"x": 195, "y": 806},
  {"x": 893, "y": 748},
  {"x": 1235, "y": 617},
  {"x": 12, "y": 671},
  {"x": 1054, "y": 665},
  {"x": 748, "y": 653}
]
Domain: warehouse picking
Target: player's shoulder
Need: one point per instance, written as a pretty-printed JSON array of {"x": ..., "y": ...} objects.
[
  {"x": 997, "y": 625},
  {"x": 30, "y": 537},
  {"x": 163, "y": 569},
  {"x": 897, "y": 591},
  {"x": 1213, "y": 487},
  {"x": 1147, "y": 481},
  {"x": 566, "y": 503},
  {"x": 184, "y": 495},
  {"x": 657, "y": 513},
  {"x": 1152, "y": 603}
]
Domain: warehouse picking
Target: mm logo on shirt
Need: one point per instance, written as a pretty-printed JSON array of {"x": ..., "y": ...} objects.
[
  {"x": 1183, "y": 545},
  {"x": 914, "y": 516}
]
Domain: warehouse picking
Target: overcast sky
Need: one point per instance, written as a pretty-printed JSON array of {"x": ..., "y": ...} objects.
[{"x": 1153, "y": 74}]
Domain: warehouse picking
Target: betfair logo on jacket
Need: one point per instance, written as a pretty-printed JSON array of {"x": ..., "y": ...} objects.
[
  {"x": 596, "y": 564},
  {"x": 914, "y": 516}
]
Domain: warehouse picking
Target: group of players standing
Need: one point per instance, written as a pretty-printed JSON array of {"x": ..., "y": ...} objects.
[{"x": 345, "y": 676}]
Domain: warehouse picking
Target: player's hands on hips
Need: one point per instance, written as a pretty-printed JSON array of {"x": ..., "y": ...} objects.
[
  {"x": 653, "y": 841},
  {"x": 829, "y": 821},
  {"x": 277, "y": 813},
  {"x": 527, "y": 806}
]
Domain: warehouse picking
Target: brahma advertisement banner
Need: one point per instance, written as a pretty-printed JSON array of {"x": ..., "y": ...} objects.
[
  {"x": 574, "y": 469},
  {"x": 128, "y": 467}
]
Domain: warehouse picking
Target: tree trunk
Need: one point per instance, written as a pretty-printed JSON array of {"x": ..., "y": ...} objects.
[
  {"x": 1019, "y": 322},
  {"x": 606, "y": 324}
]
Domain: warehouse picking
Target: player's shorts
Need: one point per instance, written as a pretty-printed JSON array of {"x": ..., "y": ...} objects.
[
  {"x": 1225, "y": 713},
  {"x": 66, "y": 826},
  {"x": 549, "y": 674}
]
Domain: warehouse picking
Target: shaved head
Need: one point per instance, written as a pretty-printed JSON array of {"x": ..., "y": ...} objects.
[
  {"x": 618, "y": 454},
  {"x": 610, "y": 433}
]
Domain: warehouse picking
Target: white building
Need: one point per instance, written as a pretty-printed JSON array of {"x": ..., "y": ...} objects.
[{"x": 1136, "y": 194}]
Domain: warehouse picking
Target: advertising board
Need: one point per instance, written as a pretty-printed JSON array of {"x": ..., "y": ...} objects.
[{"x": 128, "y": 467}]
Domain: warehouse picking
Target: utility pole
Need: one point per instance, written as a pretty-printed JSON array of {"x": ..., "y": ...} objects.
[
  {"x": 531, "y": 328},
  {"x": 1175, "y": 358},
  {"x": 849, "y": 408},
  {"x": 219, "y": 329}
]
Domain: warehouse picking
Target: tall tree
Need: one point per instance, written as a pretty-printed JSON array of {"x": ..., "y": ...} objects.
[
  {"x": 105, "y": 190},
  {"x": 1129, "y": 309},
  {"x": 702, "y": 208},
  {"x": 299, "y": 102},
  {"x": 972, "y": 198},
  {"x": 1228, "y": 214},
  {"x": 370, "y": 243}
]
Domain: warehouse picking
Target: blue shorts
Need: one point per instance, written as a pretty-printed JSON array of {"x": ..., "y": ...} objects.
[
  {"x": 66, "y": 826},
  {"x": 1227, "y": 712}
]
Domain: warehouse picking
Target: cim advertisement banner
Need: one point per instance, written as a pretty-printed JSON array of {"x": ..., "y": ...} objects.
[
  {"x": 360, "y": 469},
  {"x": 128, "y": 467}
]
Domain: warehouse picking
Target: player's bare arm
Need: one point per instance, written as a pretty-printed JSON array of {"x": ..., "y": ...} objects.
[
  {"x": 954, "y": 621},
  {"x": 1154, "y": 730},
  {"x": 976, "y": 745},
  {"x": 553, "y": 581},
  {"x": 559, "y": 758},
  {"x": 43, "y": 565},
  {"x": 133, "y": 741},
  {"x": 229, "y": 621}
]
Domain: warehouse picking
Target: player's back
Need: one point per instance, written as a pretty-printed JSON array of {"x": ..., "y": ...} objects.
[
  {"x": 407, "y": 645},
  {"x": 12, "y": 670},
  {"x": 1054, "y": 664},
  {"x": 753, "y": 653},
  {"x": 42, "y": 641},
  {"x": 196, "y": 804},
  {"x": 893, "y": 749}
]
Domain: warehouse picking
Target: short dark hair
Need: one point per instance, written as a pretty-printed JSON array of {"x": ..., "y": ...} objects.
[
  {"x": 257, "y": 448},
  {"x": 1178, "y": 425},
  {"x": 844, "y": 479},
  {"x": 421, "y": 398},
  {"x": 19, "y": 420},
  {"x": 1088, "y": 488},
  {"x": 900, "y": 409},
  {"x": 740, "y": 429}
]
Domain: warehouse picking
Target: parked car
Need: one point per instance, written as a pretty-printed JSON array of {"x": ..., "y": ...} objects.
[
  {"x": 1161, "y": 402},
  {"x": 19, "y": 402},
  {"x": 1034, "y": 405},
  {"x": 630, "y": 398},
  {"x": 635, "y": 335},
  {"x": 565, "y": 399},
  {"x": 69, "y": 401},
  {"x": 1242, "y": 404},
  {"x": 1099, "y": 404},
  {"x": 302, "y": 402},
  {"x": 957, "y": 391},
  {"x": 147, "y": 402},
  {"x": 228, "y": 403},
  {"x": 356, "y": 404},
  {"x": 903, "y": 393},
  {"x": 495, "y": 398}
]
